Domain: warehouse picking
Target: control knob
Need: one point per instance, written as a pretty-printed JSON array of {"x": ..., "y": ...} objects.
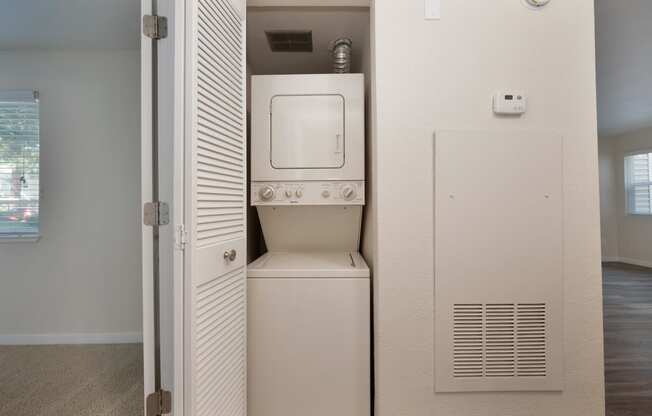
[
  {"x": 266, "y": 193},
  {"x": 348, "y": 192}
]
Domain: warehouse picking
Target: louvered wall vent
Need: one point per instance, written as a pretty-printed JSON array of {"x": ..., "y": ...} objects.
[
  {"x": 499, "y": 340},
  {"x": 289, "y": 40}
]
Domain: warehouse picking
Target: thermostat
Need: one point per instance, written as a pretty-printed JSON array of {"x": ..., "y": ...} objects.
[{"x": 510, "y": 102}]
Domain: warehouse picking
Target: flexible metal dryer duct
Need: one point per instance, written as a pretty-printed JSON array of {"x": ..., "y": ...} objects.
[{"x": 342, "y": 55}]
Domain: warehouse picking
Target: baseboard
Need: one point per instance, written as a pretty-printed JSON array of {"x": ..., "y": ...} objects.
[
  {"x": 76, "y": 338},
  {"x": 611, "y": 259},
  {"x": 633, "y": 262},
  {"x": 636, "y": 262}
]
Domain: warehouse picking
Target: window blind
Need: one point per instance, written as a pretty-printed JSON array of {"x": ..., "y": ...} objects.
[
  {"x": 638, "y": 174},
  {"x": 19, "y": 164}
]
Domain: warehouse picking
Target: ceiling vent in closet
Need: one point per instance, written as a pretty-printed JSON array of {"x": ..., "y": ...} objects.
[{"x": 289, "y": 40}]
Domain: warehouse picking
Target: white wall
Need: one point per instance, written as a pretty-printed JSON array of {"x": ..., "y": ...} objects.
[
  {"x": 624, "y": 59},
  {"x": 367, "y": 246},
  {"x": 255, "y": 240},
  {"x": 441, "y": 75},
  {"x": 83, "y": 276},
  {"x": 608, "y": 200},
  {"x": 628, "y": 237}
]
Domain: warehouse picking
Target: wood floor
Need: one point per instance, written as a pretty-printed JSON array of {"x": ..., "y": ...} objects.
[
  {"x": 71, "y": 380},
  {"x": 628, "y": 339}
]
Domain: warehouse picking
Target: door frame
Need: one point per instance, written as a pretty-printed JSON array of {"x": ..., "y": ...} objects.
[
  {"x": 147, "y": 235},
  {"x": 172, "y": 188},
  {"x": 175, "y": 106},
  {"x": 170, "y": 126}
]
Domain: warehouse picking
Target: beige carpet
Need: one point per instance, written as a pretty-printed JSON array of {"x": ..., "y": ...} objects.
[{"x": 71, "y": 380}]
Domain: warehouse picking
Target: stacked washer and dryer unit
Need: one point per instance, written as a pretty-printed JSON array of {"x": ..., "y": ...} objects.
[{"x": 309, "y": 295}]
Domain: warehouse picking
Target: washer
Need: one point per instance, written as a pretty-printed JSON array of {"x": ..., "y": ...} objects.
[{"x": 309, "y": 338}]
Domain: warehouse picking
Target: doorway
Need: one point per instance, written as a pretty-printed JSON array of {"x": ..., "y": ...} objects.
[
  {"x": 70, "y": 250},
  {"x": 625, "y": 156}
]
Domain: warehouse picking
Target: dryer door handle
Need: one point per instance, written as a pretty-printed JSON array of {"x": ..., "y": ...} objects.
[{"x": 338, "y": 144}]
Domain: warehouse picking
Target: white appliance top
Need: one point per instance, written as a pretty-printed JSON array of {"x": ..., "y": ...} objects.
[{"x": 309, "y": 265}]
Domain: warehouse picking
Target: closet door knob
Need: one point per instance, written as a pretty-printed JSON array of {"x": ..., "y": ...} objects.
[{"x": 230, "y": 255}]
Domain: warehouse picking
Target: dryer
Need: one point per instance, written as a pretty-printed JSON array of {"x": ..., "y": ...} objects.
[
  {"x": 309, "y": 296},
  {"x": 307, "y": 127},
  {"x": 307, "y": 150}
]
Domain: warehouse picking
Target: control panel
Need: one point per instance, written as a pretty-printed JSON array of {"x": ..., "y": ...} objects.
[{"x": 308, "y": 193}]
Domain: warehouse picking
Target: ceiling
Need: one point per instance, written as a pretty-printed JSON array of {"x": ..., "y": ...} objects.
[
  {"x": 69, "y": 24},
  {"x": 624, "y": 65},
  {"x": 327, "y": 24}
]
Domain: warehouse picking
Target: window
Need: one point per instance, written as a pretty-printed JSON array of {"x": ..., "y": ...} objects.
[
  {"x": 638, "y": 183},
  {"x": 19, "y": 165}
]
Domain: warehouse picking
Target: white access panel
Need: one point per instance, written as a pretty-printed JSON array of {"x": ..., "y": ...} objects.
[
  {"x": 498, "y": 261},
  {"x": 307, "y": 131},
  {"x": 309, "y": 346}
]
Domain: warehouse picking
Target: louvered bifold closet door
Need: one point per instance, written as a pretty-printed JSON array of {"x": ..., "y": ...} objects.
[{"x": 216, "y": 210}]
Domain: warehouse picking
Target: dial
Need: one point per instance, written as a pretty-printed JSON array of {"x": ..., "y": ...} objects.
[
  {"x": 348, "y": 192},
  {"x": 266, "y": 193},
  {"x": 288, "y": 193},
  {"x": 299, "y": 193}
]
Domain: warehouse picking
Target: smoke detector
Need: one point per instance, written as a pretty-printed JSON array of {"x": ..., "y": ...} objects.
[
  {"x": 536, "y": 4},
  {"x": 289, "y": 40}
]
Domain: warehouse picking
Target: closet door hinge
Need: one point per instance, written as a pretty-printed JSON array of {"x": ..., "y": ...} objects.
[
  {"x": 155, "y": 27},
  {"x": 156, "y": 213},
  {"x": 182, "y": 237},
  {"x": 159, "y": 403}
]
